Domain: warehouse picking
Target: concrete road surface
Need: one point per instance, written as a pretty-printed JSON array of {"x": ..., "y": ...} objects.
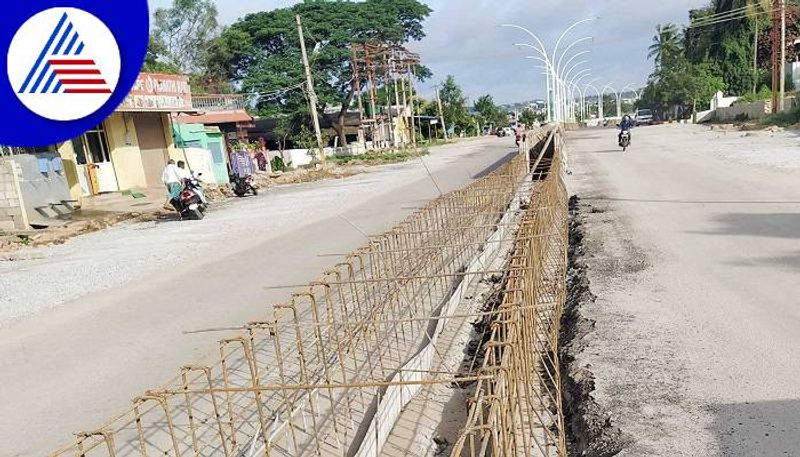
[
  {"x": 693, "y": 240},
  {"x": 93, "y": 323}
]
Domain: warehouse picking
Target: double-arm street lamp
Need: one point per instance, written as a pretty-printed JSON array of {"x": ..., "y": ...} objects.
[{"x": 560, "y": 78}]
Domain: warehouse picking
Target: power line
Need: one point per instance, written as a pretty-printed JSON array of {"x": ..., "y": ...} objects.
[{"x": 738, "y": 16}]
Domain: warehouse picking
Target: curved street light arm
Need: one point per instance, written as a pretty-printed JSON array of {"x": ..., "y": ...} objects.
[
  {"x": 568, "y": 74},
  {"x": 569, "y": 61},
  {"x": 566, "y": 51},
  {"x": 555, "y": 49},
  {"x": 535, "y": 48},
  {"x": 519, "y": 27}
]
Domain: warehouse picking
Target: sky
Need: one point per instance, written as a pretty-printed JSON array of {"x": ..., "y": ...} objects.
[{"x": 465, "y": 39}]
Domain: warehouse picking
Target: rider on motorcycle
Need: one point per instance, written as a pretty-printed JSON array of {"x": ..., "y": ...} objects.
[{"x": 625, "y": 125}]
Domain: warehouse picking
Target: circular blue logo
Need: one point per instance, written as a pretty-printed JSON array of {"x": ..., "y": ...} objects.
[{"x": 67, "y": 67}]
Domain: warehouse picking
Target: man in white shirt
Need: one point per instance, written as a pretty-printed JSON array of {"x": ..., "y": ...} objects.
[{"x": 172, "y": 178}]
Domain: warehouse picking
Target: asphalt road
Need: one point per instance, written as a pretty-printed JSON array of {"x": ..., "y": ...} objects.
[
  {"x": 102, "y": 316},
  {"x": 695, "y": 258}
]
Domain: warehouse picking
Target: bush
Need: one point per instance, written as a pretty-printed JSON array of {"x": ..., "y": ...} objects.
[
  {"x": 763, "y": 94},
  {"x": 784, "y": 119},
  {"x": 277, "y": 164}
]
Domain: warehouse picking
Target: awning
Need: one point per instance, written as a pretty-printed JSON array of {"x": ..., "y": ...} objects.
[{"x": 215, "y": 117}]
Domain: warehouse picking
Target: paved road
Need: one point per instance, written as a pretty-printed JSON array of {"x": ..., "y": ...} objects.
[
  {"x": 101, "y": 318},
  {"x": 695, "y": 256}
]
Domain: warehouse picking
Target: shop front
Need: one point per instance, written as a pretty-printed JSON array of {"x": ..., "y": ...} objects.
[{"x": 130, "y": 148}]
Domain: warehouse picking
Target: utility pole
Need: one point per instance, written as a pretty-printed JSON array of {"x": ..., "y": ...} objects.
[
  {"x": 783, "y": 55},
  {"x": 441, "y": 114},
  {"x": 776, "y": 23},
  {"x": 312, "y": 94}
]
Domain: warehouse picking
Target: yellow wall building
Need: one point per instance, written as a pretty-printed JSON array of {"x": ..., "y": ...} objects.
[{"x": 130, "y": 148}]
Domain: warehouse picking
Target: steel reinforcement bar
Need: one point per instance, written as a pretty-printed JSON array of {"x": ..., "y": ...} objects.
[
  {"x": 309, "y": 378},
  {"x": 516, "y": 409}
]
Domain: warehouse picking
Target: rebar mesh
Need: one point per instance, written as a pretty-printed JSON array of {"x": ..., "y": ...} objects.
[
  {"x": 517, "y": 408},
  {"x": 310, "y": 378}
]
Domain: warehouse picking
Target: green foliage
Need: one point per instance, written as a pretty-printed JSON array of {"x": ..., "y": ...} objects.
[
  {"x": 667, "y": 45},
  {"x": 785, "y": 119},
  {"x": 261, "y": 52},
  {"x": 488, "y": 112},
  {"x": 529, "y": 117},
  {"x": 454, "y": 105},
  {"x": 305, "y": 138},
  {"x": 184, "y": 32},
  {"x": 154, "y": 62},
  {"x": 763, "y": 94},
  {"x": 276, "y": 164}
]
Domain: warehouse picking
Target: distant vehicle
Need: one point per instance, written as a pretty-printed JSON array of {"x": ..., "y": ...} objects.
[
  {"x": 509, "y": 131},
  {"x": 644, "y": 117}
]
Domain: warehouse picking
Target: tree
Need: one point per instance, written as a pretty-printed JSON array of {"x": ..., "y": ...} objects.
[
  {"x": 154, "y": 59},
  {"x": 185, "y": 32},
  {"x": 529, "y": 117},
  {"x": 489, "y": 112},
  {"x": 666, "y": 45},
  {"x": 261, "y": 52},
  {"x": 454, "y": 105}
]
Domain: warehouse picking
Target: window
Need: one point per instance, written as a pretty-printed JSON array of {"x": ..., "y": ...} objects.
[
  {"x": 96, "y": 144},
  {"x": 11, "y": 150}
]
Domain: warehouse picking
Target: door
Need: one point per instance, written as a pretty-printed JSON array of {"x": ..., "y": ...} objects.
[
  {"x": 94, "y": 154},
  {"x": 153, "y": 146},
  {"x": 218, "y": 156}
]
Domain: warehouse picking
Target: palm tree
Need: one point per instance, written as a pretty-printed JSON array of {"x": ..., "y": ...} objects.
[{"x": 666, "y": 44}]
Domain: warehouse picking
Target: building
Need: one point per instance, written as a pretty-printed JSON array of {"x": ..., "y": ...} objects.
[
  {"x": 130, "y": 148},
  {"x": 126, "y": 151}
]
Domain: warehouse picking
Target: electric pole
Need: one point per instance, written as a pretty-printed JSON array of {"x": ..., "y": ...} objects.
[
  {"x": 783, "y": 55},
  {"x": 441, "y": 114},
  {"x": 776, "y": 23},
  {"x": 312, "y": 94}
]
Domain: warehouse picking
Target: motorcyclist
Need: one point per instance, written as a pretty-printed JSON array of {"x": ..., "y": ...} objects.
[{"x": 625, "y": 125}]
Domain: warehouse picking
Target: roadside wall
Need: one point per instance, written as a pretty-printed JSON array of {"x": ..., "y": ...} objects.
[
  {"x": 755, "y": 110},
  {"x": 12, "y": 215},
  {"x": 42, "y": 182}
]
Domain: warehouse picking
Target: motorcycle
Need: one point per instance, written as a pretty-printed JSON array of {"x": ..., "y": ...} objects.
[
  {"x": 242, "y": 185},
  {"x": 191, "y": 203},
  {"x": 625, "y": 140}
]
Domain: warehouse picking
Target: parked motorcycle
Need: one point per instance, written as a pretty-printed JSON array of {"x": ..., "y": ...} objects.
[
  {"x": 243, "y": 185},
  {"x": 191, "y": 203}
]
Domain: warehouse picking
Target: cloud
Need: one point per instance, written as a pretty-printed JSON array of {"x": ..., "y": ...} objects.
[{"x": 464, "y": 38}]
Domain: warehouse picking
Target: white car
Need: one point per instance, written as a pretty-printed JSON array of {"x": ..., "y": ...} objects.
[{"x": 644, "y": 117}]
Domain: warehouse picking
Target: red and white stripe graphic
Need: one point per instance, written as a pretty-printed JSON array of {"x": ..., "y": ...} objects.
[{"x": 79, "y": 76}]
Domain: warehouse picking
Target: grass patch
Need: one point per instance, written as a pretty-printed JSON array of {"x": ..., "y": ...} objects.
[{"x": 379, "y": 158}]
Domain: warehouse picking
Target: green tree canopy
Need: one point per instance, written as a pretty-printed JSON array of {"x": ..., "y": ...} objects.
[
  {"x": 184, "y": 32},
  {"x": 261, "y": 52},
  {"x": 489, "y": 112},
  {"x": 529, "y": 117},
  {"x": 454, "y": 105}
]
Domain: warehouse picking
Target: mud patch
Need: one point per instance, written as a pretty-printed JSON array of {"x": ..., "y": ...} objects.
[{"x": 590, "y": 430}]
